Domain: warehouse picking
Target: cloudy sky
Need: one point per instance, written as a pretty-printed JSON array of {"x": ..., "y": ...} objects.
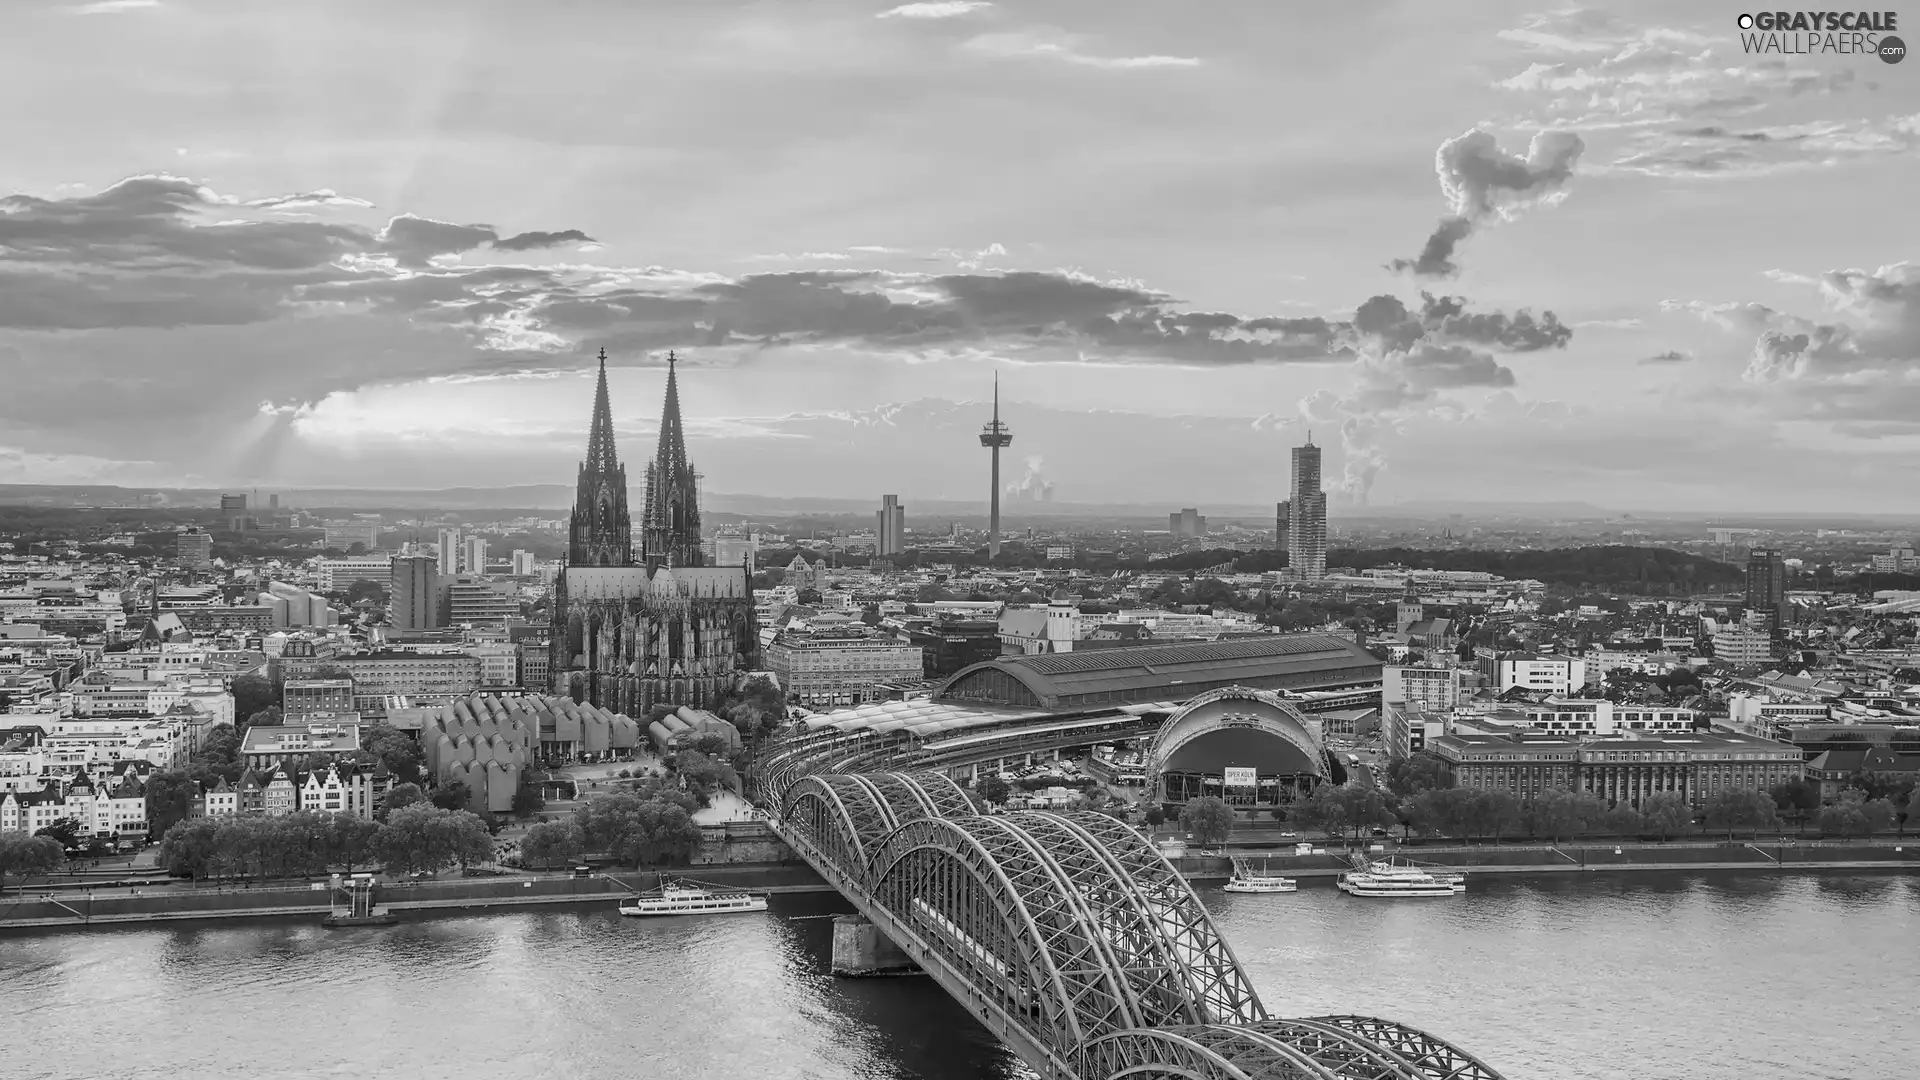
[{"x": 1488, "y": 251}]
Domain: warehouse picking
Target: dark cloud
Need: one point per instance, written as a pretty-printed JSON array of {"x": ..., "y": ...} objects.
[
  {"x": 1670, "y": 356},
  {"x": 528, "y": 241},
  {"x": 1436, "y": 256},
  {"x": 1483, "y": 183},
  {"x": 414, "y": 241}
]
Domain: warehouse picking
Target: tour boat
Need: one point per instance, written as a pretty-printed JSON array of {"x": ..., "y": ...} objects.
[
  {"x": 1247, "y": 879},
  {"x": 1386, "y": 879},
  {"x": 692, "y": 898}
]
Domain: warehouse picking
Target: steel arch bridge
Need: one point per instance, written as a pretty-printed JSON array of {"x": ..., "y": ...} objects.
[{"x": 1067, "y": 935}]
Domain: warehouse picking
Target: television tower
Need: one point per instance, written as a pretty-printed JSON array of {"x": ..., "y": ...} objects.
[{"x": 995, "y": 437}]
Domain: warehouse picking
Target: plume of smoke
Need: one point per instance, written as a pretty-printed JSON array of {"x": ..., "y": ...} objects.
[
  {"x": 1033, "y": 486},
  {"x": 1483, "y": 183}
]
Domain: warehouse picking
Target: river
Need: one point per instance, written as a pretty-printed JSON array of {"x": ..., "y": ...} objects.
[{"x": 1673, "y": 976}]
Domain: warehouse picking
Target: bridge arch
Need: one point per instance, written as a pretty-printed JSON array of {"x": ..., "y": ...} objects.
[
  {"x": 843, "y": 815},
  {"x": 987, "y": 899},
  {"x": 1236, "y": 727}
]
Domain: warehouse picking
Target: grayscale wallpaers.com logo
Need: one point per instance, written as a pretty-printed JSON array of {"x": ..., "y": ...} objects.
[{"x": 1806, "y": 33}]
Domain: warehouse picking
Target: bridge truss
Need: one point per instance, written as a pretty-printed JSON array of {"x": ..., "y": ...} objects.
[{"x": 1067, "y": 934}]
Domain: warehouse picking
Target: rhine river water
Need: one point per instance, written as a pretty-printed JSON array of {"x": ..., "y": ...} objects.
[{"x": 1670, "y": 976}]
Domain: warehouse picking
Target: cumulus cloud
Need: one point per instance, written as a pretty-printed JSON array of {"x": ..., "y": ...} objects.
[
  {"x": 1407, "y": 359},
  {"x": 1483, "y": 183},
  {"x": 1858, "y": 367}
]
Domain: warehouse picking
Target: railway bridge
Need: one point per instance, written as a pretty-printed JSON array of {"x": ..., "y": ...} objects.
[{"x": 1066, "y": 934}]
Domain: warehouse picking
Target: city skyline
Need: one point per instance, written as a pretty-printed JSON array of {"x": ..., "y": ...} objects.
[{"x": 1176, "y": 269}]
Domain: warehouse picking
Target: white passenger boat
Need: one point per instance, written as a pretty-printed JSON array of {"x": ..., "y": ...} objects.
[
  {"x": 1389, "y": 880},
  {"x": 1249, "y": 880},
  {"x": 692, "y": 898}
]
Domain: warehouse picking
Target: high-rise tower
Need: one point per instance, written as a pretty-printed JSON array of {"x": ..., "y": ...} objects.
[
  {"x": 995, "y": 437},
  {"x": 602, "y": 532},
  {"x": 1767, "y": 586},
  {"x": 1306, "y": 516},
  {"x": 670, "y": 524}
]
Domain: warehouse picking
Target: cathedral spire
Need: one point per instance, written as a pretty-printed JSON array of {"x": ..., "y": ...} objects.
[
  {"x": 673, "y": 436},
  {"x": 600, "y": 449},
  {"x": 670, "y": 525},
  {"x": 601, "y": 533}
]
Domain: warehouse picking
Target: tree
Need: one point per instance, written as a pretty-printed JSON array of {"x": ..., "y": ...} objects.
[
  {"x": 395, "y": 749},
  {"x": 28, "y": 856},
  {"x": 552, "y": 842},
  {"x": 1740, "y": 809},
  {"x": 1666, "y": 814},
  {"x": 451, "y": 796},
  {"x": 428, "y": 839},
  {"x": 1208, "y": 818},
  {"x": 350, "y": 840},
  {"x": 528, "y": 801},
  {"x": 220, "y": 750},
  {"x": 170, "y": 798},
  {"x": 401, "y": 795},
  {"x": 1155, "y": 817},
  {"x": 809, "y": 597},
  {"x": 1797, "y": 799},
  {"x": 992, "y": 789},
  {"x": 1441, "y": 811},
  {"x": 251, "y": 694},
  {"x": 870, "y": 615},
  {"x": 66, "y": 831},
  {"x": 639, "y": 828},
  {"x": 704, "y": 775},
  {"x": 267, "y": 717},
  {"x": 1854, "y": 813},
  {"x": 1417, "y": 772},
  {"x": 1565, "y": 814},
  {"x": 371, "y": 591}
]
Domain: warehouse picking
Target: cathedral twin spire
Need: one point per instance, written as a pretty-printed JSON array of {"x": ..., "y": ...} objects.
[{"x": 601, "y": 533}]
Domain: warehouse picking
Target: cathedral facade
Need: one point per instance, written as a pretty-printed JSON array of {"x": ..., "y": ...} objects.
[{"x": 632, "y": 631}]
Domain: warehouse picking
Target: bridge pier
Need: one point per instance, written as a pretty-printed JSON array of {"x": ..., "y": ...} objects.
[{"x": 861, "y": 950}]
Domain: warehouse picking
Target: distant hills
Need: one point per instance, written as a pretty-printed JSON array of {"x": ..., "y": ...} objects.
[{"x": 559, "y": 497}]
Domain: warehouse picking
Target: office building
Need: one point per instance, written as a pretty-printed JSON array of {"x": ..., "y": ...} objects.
[
  {"x": 338, "y": 575},
  {"x": 1306, "y": 517},
  {"x": 473, "y": 558},
  {"x": 522, "y": 563},
  {"x": 1626, "y": 770},
  {"x": 469, "y": 601},
  {"x": 1280, "y": 525},
  {"x": 1430, "y": 689},
  {"x": 1745, "y": 645},
  {"x": 1562, "y": 676},
  {"x": 194, "y": 549},
  {"x": 306, "y": 701},
  {"x": 842, "y": 667},
  {"x": 449, "y": 551},
  {"x": 891, "y": 527},
  {"x": 1186, "y": 524},
  {"x": 1767, "y": 586},
  {"x": 294, "y": 606},
  {"x": 1407, "y": 729},
  {"x": 414, "y": 593}
]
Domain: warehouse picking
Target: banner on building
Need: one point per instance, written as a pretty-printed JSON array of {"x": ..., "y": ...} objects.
[{"x": 1240, "y": 777}]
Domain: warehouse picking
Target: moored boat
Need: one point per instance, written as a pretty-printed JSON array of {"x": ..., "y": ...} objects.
[
  {"x": 1383, "y": 879},
  {"x": 1246, "y": 879},
  {"x": 692, "y": 898}
]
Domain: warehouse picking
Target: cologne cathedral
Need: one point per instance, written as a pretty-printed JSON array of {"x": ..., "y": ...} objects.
[{"x": 658, "y": 627}]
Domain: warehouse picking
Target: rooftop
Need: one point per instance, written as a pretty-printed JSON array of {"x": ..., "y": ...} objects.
[{"x": 1177, "y": 671}]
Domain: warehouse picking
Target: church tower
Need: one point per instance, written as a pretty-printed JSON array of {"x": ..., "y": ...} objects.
[
  {"x": 670, "y": 524},
  {"x": 602, "y": 531}
]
